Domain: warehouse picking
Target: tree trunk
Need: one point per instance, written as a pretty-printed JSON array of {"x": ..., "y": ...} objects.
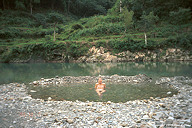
[
  {"x": 145, "y": 38},
  {"x": 120, "y": 6},
  {"x": 53, "y": 4},
  {"x": 3, "y": 4},
  {"x": 31, "y": 7},
  {"x": 54, "y": 39},
  {"x": 69, "y": 5},
  {"x": 31, "y": 10},
  {"x": 8, "y": 5}
]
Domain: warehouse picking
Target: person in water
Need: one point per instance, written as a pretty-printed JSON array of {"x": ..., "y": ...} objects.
[{"x": 100, "y": 87}]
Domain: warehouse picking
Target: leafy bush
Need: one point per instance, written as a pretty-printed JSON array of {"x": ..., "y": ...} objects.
[
  {"x": 101, "y": 44},
  {"x": 1, "y": 12},
  {"x": 34, "y": 51},
  {"x": 50, "y": 51},
  {"x": 9, "y": 33},
  {"x": 47, "y": 38},
  {"x": 77, "y": 26},
  {"x": 77, "y": 49},
  {"x": 40, "y": 19},
  {"x": 181, "y": 16},
  {"x": 55, "y": 18},
  {"x": 112, "y": 19},
  {"x": 19, "y": 5},
  {"x": 126, "y": 44},
  {"x": 101, "y": 29},
  {"x": 183, "y": 41}
]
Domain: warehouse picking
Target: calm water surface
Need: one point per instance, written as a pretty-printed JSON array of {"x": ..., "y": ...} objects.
[
  {"x": 24, "y": 73},
  {"x": 114, "y": 92}
]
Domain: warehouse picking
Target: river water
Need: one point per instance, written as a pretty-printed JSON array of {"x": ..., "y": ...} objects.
[{"x": 28, "y": 72}]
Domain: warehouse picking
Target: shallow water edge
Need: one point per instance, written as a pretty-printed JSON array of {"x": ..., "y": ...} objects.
[{"x": 82, "y": 88}]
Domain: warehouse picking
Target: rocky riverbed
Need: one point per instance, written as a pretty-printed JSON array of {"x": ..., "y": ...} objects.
[
  {"x": 18, "y": 109},
  {"x": 92, "y": 79}
]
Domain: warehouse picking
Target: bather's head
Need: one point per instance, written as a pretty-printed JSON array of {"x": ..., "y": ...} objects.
[{"x": 100, "y": 80}]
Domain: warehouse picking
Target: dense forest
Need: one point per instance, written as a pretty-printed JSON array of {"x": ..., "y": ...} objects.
[{"x": 40, "y": 28}]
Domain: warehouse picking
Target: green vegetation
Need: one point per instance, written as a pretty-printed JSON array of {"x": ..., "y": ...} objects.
[{"x": 29, "y": 29}]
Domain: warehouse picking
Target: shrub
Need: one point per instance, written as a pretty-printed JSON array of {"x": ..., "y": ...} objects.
[
  {"x": 112, "y": 19},
  {"x": 101, "y": 29},
  {"x": 77, "y": 49},
  {"x": 9, "y": 33},
  {"x": 123, "y": 45},
  {"x": 118, "y": 45},
  {"x": 40, "y": 19},
  {"x": 101, "y": 44},
  {"x": 77, "y": 26},
  {"x": 19, "y": 5},
  {"x": 55, "y": 17},
  {"x": 34, "y": 50},
  {"x": 1, "y": 12},
  {"x": 181, "y": 16},
  {"x": 47, "y": 38},
  {"x": 183, "y": 41}
]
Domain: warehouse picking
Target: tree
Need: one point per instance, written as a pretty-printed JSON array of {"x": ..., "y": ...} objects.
[
  {"x": 147, "y": 22},
  {"x": 128, "y": 17},
  {"x": 31, "y": 3},
  {"x": 120, "y": 6},
  {"x": 161, "y": 8},
  {"x": 55, "y": 18},
  {"x": 3, "y": 4},
  {"x": 31, "y": 6},
  {"x": 115, "y": 10},
  {"x": 181, "y": 16},
  {"x": 19, "y": 5}
]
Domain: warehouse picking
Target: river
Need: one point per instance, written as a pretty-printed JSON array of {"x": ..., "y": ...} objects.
[{"x": 27, "y": 72}]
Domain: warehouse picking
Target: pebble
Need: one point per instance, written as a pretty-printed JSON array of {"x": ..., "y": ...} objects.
[
  {"x": 49, "y": 98},
  {"x": 168, "y": 93},
  {"x": 70, "y": 121},
  {"x": 153, "y": 112},
  {"x": 35, "y": 82},
  {"x": 145, "y": 117},
  {"x": 33, "y": 91},
  {"x": 61, "y": 81}
]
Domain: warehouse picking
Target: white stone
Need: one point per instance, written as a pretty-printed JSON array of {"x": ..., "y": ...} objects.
[
  {"x": 33, "y": 91},
  {"x": 49, "y": 98},
  {"x": 168, "y": 93},
  {"x": 145, "y": 117},
  {"x": 35, "y": 82}
]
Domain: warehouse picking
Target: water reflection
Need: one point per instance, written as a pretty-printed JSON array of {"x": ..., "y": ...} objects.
[{"x": 34, "y": 71}]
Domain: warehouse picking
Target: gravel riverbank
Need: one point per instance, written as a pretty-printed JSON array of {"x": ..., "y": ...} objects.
[
  {"x": 92, "y": 79},
  {"x": 18, "y": 109}
]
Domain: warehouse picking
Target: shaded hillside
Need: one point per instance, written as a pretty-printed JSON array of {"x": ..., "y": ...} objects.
[{"x": 132, "y": 25}]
